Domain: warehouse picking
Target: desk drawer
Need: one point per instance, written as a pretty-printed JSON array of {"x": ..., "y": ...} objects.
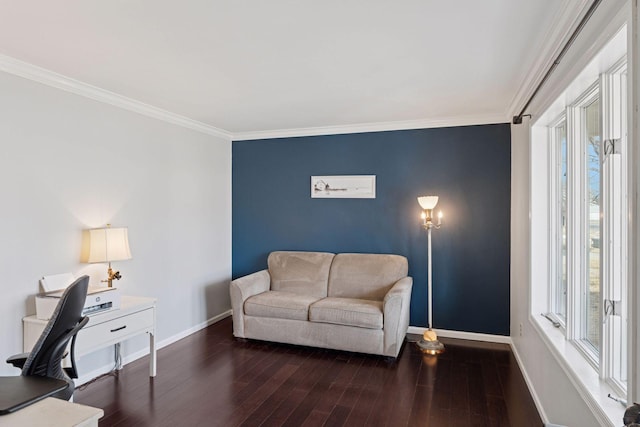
[{"x": 93, "y": 337}]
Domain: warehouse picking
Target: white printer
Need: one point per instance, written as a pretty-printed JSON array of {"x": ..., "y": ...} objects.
[{"x": 99, "y": 298}]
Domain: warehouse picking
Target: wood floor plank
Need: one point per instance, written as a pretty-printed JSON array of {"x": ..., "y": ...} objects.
[
  {"x": 478, "y": 403},
  {"x": 498, "y": 415},
  {"x": 293, "y": 392},
  {"x": 315, "y": 419},
  {"x": 262, "y": 393},
  {"x": 346, "y": 369},
  {"x": 211, "y": 379},
  {"x": 460, "y": 396},
  {"x": 338, "y": 416},
  {"x": 401, "y": 386},
  {"x": 316, "y": 385},
  {"x": 521, "y": 411}
]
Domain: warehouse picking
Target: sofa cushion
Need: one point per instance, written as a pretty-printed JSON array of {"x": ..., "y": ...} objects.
[
  {"x": 347, "y": 311},
  {"x": 278, "y": 304},
  {"x": 365, "y": 276},
  {"x": 304, "y": 273}
]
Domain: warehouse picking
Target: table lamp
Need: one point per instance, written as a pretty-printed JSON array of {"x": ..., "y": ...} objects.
[{"x": 106, "y": 245}]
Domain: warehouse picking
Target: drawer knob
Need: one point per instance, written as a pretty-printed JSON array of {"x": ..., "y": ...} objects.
[{"x": 119, "y": 329}]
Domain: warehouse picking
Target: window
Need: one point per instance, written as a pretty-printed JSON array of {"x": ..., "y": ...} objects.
[{"x": 587, "y": 281}]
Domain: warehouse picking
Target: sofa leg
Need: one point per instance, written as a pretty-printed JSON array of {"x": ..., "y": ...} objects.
[{"x": 390, "y": 360}]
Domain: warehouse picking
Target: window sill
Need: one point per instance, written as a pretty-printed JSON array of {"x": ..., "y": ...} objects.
[{"x": 584, "y": 377}]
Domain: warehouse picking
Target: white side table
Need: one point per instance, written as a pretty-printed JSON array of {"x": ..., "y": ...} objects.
[{"x": 136, "y": 316}]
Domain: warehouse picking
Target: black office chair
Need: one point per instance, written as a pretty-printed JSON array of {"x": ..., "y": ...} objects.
[{"x": 45, "y": 359}]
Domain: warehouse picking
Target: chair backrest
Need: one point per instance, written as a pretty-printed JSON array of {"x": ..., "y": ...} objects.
[{"x": 45, "y": 358}]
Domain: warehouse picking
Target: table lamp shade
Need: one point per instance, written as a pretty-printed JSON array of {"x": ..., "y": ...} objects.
[
  {"x": 105, "y": 245},
  {"x": 428, "y": 202}
]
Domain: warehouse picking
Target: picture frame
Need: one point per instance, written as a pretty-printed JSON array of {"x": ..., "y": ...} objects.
[{"x": 343, "y": 187}]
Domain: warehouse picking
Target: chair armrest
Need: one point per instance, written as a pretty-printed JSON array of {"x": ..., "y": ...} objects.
[
  {"x": 395, "y": 308},
  {"x": 241, "y": 289},
  {"x": 18, "y": 360}
]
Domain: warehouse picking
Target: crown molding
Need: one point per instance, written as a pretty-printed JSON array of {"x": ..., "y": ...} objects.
[
  {"x": 562, "y": 27},
  {"x": 373, "y": 127},
  {"x": 41, "y": 75},
  {"x": 31, "y": 72}
]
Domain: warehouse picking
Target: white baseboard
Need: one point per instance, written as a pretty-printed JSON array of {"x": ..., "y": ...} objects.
[
  {"x": 472, "y": 336},
  {"x": 177, "y": 337},
  {"x": 532, "y": 390},
  {"x": 83, "y": 379}
]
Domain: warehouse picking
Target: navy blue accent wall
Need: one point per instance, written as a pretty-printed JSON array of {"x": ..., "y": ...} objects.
[{"x": 468, "y": 167}]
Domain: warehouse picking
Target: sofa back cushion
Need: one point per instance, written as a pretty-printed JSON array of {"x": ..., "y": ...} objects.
[
  {"x": 365, "y": 276},
  {"x": 304, "y": 273}
]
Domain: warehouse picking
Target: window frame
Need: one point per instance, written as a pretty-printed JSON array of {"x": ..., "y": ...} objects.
[
  {"x": 578, "y": 218},
  {"x": 555, "y": 217},
  {"x": 615, "y": 204},
  {"x": 607, "y": 91}
]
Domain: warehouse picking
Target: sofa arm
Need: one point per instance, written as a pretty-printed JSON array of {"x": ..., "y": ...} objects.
[
  {"x": 243, "y": 288},
  {"x": 395, "y": 309}
]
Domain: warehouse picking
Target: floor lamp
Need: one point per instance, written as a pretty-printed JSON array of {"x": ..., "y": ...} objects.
[{"x": 429, "y": 342}]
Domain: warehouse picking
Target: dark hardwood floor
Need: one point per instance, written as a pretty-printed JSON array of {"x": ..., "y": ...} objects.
[{"x": 212, "y": 379}]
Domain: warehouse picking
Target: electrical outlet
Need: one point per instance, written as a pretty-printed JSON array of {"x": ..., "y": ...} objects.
[{"x": 520, "y": 329}]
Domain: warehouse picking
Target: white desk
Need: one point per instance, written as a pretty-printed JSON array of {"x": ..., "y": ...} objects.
[
  {"x": 136, "y": 316},
  {"x": 52, "y": 412}
]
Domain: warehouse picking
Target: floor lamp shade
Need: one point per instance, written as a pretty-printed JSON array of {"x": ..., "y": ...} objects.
[
  {"x": 428, "y": 202},
  {"x": 105, "y": 245}
]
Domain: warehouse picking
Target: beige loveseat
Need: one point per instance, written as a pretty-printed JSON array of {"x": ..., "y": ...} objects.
[{"x": 352, "y": 302}]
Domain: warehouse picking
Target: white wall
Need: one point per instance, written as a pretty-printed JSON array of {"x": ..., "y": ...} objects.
[
  {"x": 68, "y": 163},
  {"x": 557, "y": 397}
]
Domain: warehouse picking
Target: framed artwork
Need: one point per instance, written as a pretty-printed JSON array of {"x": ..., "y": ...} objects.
[{"x": 343, "y": 187}]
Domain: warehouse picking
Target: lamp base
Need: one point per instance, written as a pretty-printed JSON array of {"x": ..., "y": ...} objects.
[
  {"x": 429, "y": 343},
  {"x": 430, "y": 347},
  {"x": 113, "y": 275}
]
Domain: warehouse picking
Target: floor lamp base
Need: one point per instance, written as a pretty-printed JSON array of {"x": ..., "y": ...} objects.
[{"x": 430, "y": 347}]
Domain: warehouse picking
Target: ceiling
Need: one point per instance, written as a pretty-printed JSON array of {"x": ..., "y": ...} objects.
[{"x": 252, "y": 66}]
